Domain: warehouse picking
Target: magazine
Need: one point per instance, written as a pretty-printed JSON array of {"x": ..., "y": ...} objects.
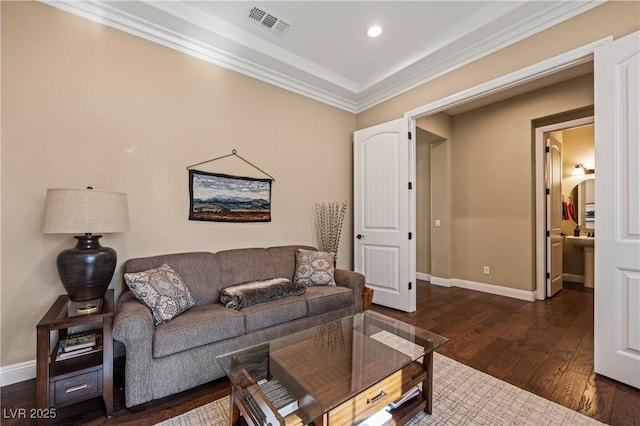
[
  {"x": 279, "y": 397},
  {"x": 76, "y": 342},
  {"x": 62, "y": 354}
]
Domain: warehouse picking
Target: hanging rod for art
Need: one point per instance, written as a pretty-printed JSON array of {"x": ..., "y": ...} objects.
[{"x": 233, "y": 153}]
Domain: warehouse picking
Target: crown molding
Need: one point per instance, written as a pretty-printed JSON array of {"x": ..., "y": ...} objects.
[{"x": 283, "y": 69}]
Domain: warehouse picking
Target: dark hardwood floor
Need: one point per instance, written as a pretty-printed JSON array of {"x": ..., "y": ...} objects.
[{"x": 545, "y": 347}]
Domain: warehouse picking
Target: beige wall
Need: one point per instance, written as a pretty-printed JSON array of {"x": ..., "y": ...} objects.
[
  {"x": 84, "y": 104},
  {"x": 423, "y": 201},
  {"x": 493, "y": 181},
  {"x": 438, "y": 126}
]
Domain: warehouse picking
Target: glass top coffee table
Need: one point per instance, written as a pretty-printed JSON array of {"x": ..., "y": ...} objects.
[{"x": 338, "y": 373}]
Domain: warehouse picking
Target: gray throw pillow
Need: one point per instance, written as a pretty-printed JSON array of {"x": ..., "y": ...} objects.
[
  {"x": 162, "y": 290},
  {"x": 314, "y": 268}
]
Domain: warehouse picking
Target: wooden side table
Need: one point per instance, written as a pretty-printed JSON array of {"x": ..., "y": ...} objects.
[{"x": 62, "y": 383}]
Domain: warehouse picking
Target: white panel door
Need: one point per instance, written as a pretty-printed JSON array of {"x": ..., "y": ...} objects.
[
  {"x": 617, "y": 207},
  {"x": 381, "y": 213},
  {"x": 554, "y": 216}
]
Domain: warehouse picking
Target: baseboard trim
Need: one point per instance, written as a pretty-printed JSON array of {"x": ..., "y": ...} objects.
[
  {"x": 574, "y": 278},
  {"x": 19, "y": 372},
  {"x": 422, "y": 276},
  {"x": 529, "y": 296},
  {"x": 22, "y": 371},
  {"x": 443, "y": 282}
]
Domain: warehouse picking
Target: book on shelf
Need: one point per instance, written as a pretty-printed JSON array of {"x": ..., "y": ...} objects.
[
  {"x": 279, "y": 396},
  {"x": 78, "y": 341},
  {"x": 63, "y": 354},
  {"x": 409, "y": 395}
]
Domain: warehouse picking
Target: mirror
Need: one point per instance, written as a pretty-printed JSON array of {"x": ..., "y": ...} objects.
[{"x": 579, "y": 204}]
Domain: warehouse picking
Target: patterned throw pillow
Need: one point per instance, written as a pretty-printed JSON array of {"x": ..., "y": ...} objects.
[
  {"x": 314, "y": 268},
  {"x": 162, "y": 291}
]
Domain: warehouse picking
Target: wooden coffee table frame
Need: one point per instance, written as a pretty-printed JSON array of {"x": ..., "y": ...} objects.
[{"x": 244, "y": 386}]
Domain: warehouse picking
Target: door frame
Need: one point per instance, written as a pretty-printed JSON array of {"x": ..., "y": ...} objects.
[
  {"x": 541, "y": 199},
  {"x": 578, "y": 56}
]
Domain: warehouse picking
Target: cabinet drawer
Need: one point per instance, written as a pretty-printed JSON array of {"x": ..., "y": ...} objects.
[
  {"x": 77, "y": 387},
  {"x": 368, "y": 402}
]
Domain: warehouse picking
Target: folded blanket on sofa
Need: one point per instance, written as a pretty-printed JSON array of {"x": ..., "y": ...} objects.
[{"x": 250, "y": 293}]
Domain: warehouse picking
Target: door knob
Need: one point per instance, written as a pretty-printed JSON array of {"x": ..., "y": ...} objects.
[{"x": 359, "y": 236}]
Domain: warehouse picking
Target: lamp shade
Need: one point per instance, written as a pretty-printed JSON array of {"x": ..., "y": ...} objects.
[
  {"x": 86, "y": 269},
  {"x": 82, "y": 211}
]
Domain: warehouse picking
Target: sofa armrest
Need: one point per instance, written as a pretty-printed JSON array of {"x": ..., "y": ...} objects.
[
  {"x": 133, "y": 326},
  {"x": 354, "y": 281}
]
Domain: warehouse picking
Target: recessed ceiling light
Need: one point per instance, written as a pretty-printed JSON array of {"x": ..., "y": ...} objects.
[{"x": 374, "y": 31}]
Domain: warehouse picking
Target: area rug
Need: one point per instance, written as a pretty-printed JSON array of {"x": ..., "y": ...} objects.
[{"x": 461, "y": 396}]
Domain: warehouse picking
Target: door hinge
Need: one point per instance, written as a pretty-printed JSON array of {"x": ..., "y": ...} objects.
[
  {"x": 409, "y": 135},
  {"x": 548, "y": 234},
  {"x": 548, "y": 276},
  {"x": 410, "y": 285},
  {"x": 547, "y": 191},
  {"x": 547, "y": 149},
  {"x": 410, "y": 235},
  {"x": 410, "y": 185}
]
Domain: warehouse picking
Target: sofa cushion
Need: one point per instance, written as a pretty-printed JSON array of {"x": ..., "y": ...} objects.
[
  {"x": 321, "y": 299},
  {"x": 199, "y": 271},
  {"x": 247, "y": 294},
  {"x": 161, "y": 290},
  {"x": 274, "y": 312},
  {"x": 199, "y": 326},
  {"x": 243, "y": 265},
  {"x": 314, "y": 268}
]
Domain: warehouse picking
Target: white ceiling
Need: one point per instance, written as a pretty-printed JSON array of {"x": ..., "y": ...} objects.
[{"x": 325, "y": 53}]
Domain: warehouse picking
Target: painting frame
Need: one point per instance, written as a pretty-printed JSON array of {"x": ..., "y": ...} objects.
[{"x": 217, "y": 197}]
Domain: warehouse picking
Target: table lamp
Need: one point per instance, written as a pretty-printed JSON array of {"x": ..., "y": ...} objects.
[{"x": 86, "y": 269}]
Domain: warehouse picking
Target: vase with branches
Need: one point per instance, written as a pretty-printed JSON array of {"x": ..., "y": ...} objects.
[{"x": 330, "y": 217}]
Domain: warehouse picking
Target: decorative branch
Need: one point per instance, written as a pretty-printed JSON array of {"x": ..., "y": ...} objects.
[{"x": 330, "y": 218}]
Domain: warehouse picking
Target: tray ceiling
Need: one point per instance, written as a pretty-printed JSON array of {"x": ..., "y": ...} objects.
[{"x": 320, "y": 48}]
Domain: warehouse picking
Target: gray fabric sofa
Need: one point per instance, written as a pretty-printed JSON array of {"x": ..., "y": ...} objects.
[{"x": 180, "y": 354}]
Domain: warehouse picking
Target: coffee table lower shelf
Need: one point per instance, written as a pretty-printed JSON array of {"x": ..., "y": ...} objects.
[
  {"x": 407, "y": 411},
  {"x": 413, "y": 374}
]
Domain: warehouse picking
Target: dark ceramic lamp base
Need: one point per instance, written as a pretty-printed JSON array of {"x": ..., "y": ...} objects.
[{"x": 86, "y": 270}]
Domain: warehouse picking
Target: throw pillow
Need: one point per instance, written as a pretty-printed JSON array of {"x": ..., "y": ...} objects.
[
  {"x": 252, "y": 292},
  {"x": 314, "y": 268},
  {"x": 162, "y": 291}
]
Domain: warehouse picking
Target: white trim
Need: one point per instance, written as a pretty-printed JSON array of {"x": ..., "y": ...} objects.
[
  {"x": 293, "y": 72},
  {"x": 541, "y": 203},
  {"x": 529, "y": 296},
  {"x": 105, "y": 14},
  {"x": 14, "y": 373},
  {"x": 574, "y": 278},
  {"x": 442, "y": 282},
  {"x": 422, "y": 276},
  {"x": 541, "y": 69},
  {"x": 477, "y": 286}
]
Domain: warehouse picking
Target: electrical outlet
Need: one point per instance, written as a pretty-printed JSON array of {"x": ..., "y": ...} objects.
[{"x": 486, "y": 270}]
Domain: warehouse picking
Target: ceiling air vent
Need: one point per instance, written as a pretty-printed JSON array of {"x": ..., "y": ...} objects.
[{"x": 267, "y": 20}]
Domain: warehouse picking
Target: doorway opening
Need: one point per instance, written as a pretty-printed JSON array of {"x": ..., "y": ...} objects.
[
  {"x": 540, "y": 75},
  {"x": 561, "y": 142}
]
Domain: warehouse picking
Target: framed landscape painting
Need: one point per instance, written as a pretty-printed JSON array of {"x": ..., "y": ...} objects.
[{"x": 224, "y": 198}]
